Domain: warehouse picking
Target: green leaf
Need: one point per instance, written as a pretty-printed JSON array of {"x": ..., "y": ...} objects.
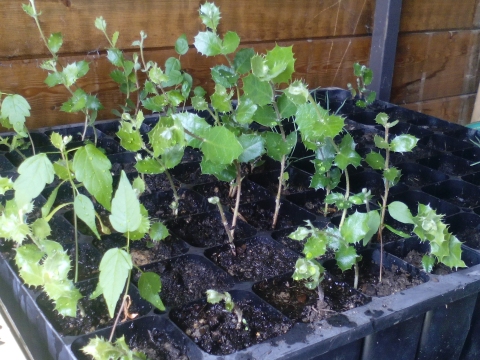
[
  {"x": 5, "y": 184},
  {"x": 380, "y": 142},
  {"x": 260, "y": 92},
  {"x": 167, "y": 132},
  {"x": 265, "y": 115},
  {"x": 220, "y": 145},
  {"x": 297, "y": 92},
  {"x": 115, "y": 36},
  {"x": 199, "y": 103},
  {"x": 114, "y": 269},
  {"x": 244, "y": 112},
  {"x": 181, "y": 45},
  {"x": 54, "y": 79},
  {"x": 37, "y": 167},
  {"x": 210, "y": 15},
  {"x": 403, "y": 143},
  {"x": 126, "y": 216},
  {"x": 100, "y": 23},
  {"x": 346, "y": 257},
  {"x": 15, "y": 108},
  {"x": 231, "y": 40},
  {"x": 400, "y": 212},
  {"x": 300, "y": 234},
  {"x": 375, "y": 160},
  {"x": 155, "y": 103},
  {"x": 221, "y": 171},
  {"x": 149, "y": 285},
  {"x": 224, "y": 76},
  {"x": 373, "y": 223},
  {"x": 173, "y": 156},
  {"x": 241, "y": 62},
  {"x": 397, "y": 232},
  {"x": 316, "y": 245},
  {"x": 283, "y": 56},
  {"x": 85, "y": 211},
  {"x": 208, "y": 43},
  {"x": 27, "y": 258},
  {"x": 276, "y": 147},
  {"x": 158, "y": 231},
  {"x": 310, "y": 270},
  {"x": 347, "y": 154},
  {"x": 428, "y": 262},
  {"x": 286, "y": 107},
  {"x": 315, "y": 123},
  {"x": 61, "y": 170},
  {"x": 382, "y": 119},
  {"x": 221, "y": 99},
  {"x": 253, "y": 147},
  {"x": 392, "y": 175},
  {"x": 115, "y": 56},
  {"x": 355, "y": 227},
  {"x": 130, "y": 138},
  {"x": 41, "y": 229},
  {"x": 194, "y": 124},
  {"x": 55, "y": 41},
  {"x": 92, "y": 168}
]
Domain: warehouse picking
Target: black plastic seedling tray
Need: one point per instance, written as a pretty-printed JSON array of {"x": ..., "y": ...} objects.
[{"x": 438, "y": 319}]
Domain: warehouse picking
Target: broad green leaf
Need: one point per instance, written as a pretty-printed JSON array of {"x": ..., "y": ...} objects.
[
  {"x": 55, "y": 41},
  {"x": 315, "y": 123},
  {"x": 92, "y": 168},
  {"x": 230, "y": 43},
  {"x": 260, "y": 92},
  {"x": 221, "y": 99},
  {"x": 373, "y": 223},
  {"x": 210, "y": 15},
  {"x": 27, "y": 258},
  {"x": 126, "y": 216},
  {"x": 244, "y": 112},
  {"x": 316, "y": 245},
  {"x": 400, "y": 212},
  {"x": 284, "y": 56},
  {"x": 382, "y": 119},
  {"x": 199, "y": 103},
  {"x": 380, "y": 142},
  {"x": 297, "y": 92},
  {"x": 241, "y": 62},
  {"x": 221, "y": 171},
  {"x": 428, "y": 262},
  {"x": 300, "y": 234},
  {"x": 286, "y": 107},
  {"x": 54, "y": 79},
  {"x": 156, "y": 75},
  {"x": 220, "y": 145},
  {"x": 181, "y": 45},
  {"x": 355, "y": 227},
  {"x": 130, "y": 138},
  {"x": 208, "y": 43},
  {"x": 41, "y": 229},
  {"x": 253, "y": 147},
  {"x": 265, "y": 115},
  {"x": 38, "y": 167},
  {"x": 115, "y": 56},
  {"x": 85, "y": 211},
  {"x": 100, "y": 23},
  {"x": 194, "y": 124},
  {"x": 61, "y": 169},
  {"x": 155, "y": 103},
  {"x": 149, "y": 285},
  {"x": 276, "y": 146},
  {"x": 397, "y": 232},
  {"x": 114, "y": 269},
  {"x": 224, "y": 76},
  {"x": 15, "y": 108},
  {"x": 346, "y": 257},
  {"x": 392, "y": 175},
  {"x": 375, "y": 160},
  {"x": 403, "y": 143},
  {"x": 347, "y": 155},
  {"x": 158, "y": 231},
  {"x": 173, "y": 156},
  {"x": 144, "y": 227},
  {"x": 167, "y": 132}
]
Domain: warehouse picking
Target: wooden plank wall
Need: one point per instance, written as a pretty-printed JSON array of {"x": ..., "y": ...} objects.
[
  {"x": 328, "y": 37},
  {"x": 437, "y": 60}
]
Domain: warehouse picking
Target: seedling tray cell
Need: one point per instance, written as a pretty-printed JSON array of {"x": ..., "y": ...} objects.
[
  {"x": 443, "y": 143},
  {"x": 450, "y": 164},
  {"x": 5, "y": 165},
  {"x": 466, "y": 228},
  {"x": 416, "y": 176},
  {"x": 413, "y": 198},
  {"x": 298, "y": 181},
  {"x": 456, "y": 192}
]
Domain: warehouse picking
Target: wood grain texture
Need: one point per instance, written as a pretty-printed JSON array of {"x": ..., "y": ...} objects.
[
  {"x": 165, "y": 20},
  {"x": 435, "y": 65},
  {"x": 430, "y": 15},
  {"x": 324, "y": 62},
  {"x": 456, "y": 109}
]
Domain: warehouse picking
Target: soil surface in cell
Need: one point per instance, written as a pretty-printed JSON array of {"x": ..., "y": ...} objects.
[
  {"x": 220, "y": 332},
  {"x": 207, "y": 230},
  {"x": 92, "y": 314},
  {"x": 394, "y": 279},
  {"x": 470, "y": 236},
  {"x": 300, "y": 304},
  {"x": 260, "y": 216},
  {"x": 159, "y": 204},
  {"x": 186, "y": 279},
  {"x": 415, "y": 258},
  {"x": 158, "y": 345},
  {"x": 254, "y": 260}
]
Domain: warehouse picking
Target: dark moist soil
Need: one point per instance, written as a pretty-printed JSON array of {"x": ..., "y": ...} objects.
[
  {"x": 415, "y": 154},
  {"x": 219, "y": 332},
  {"x": 254, "y": 260},
  {"x": 88, "y": 261},
  {"x": 158, "y": 204},
  {"x": 260, "y": 216},
  {"x": 415, "y": 258},
  {"x": 158, "y": 182},
  {"x": 96, "y": 312},
  {"x": 415, "y": 180},
  {"x": 206, "y": 230},
  {"x": 158, "y": 346},
  {"x": 191, "y": 155},
  {"x": 144, "y": 251},
  {"x": 470, "y": 236},
  {"x": 394, "y": 279},
  {"x": 191, "y": 174},
  {"x": 295, "y": 184},
  {"x": 249, "y": 193},
  {"x": 118, "y": 167},
  {"x": 462, "y": 201},
  {"x": 300, "y": 304},
  {"x": 187, "y": 278}
]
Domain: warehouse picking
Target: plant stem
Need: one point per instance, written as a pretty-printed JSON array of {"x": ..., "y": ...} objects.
[
  {"x": 31, "y": 141},
  {"x": 279, "y": 192},
  {"x": 384, "y": 205},
  {"x": 227, "y": 230},
  {"x": 357, "y": 274},
  {"x": 239, "y": 191},
  {"x": 176, "y": 198}
]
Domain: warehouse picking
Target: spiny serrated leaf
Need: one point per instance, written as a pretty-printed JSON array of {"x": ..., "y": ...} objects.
[
  {"x": 346, "y": 257},
  {"x": 114, "y": 269},
  {"x": 5, "y": 184},
  {"x": 428, "y": 262},
  {"x": 208, "y": 43},
  {"x": 158, "y": 231},
  {"x": 300, "y": 234},
  {"x": 92, "y": 168},
  {"x": 221, "y": 99},
  {"x": 194, "y": 124},
  {"x": 130, "y": 138},
  {"x": 210, "y": 15},
  {"x": 41, "y": 229},
  {"x": 167, "y": 132},
  {"x": 260, "y": 92},
  {"x": 375, "y": 160},
  {"x": 253, "y": 147},
  {"x": 55, "y": 41},
  {"x": 355, "y": 227},
  {"x": 85, "y": 211},
  {"x": 315, "y": 123},
  {"x": 316, "y": 245},
  {"x": 347, "y": 154},
  {"x": 276, "y": 146},
  {"x": 224, "y": 76},
  {"x": 265, "y": 115},
  {"x": 297, "y": 92},
  {"x": 126, "y": 216},
  {"x": 230, "y": 43},
  {"x": 149, "y": 286},
  {"x": 241, "y": 62},
  {"x": 286, "y": 107},
  {"x": 284, "y": 56},
  {"x": 37, "y": 167},
  {"x": 220, "y": 145}
]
